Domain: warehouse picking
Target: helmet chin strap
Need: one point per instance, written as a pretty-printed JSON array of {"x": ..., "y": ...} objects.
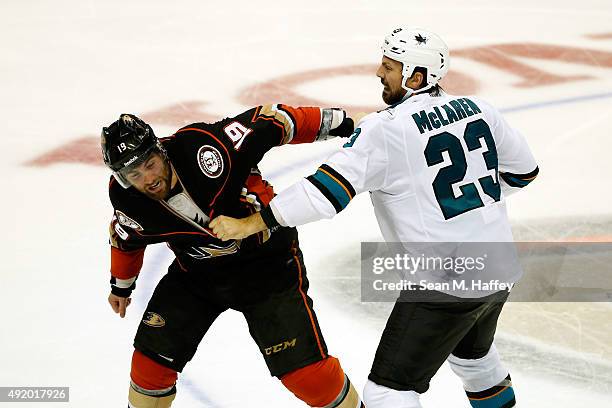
[
  {"x": 405, "y": 77},
  {"x": 410, "y": 92}
]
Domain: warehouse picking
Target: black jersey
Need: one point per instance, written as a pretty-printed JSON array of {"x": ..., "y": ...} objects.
[{"x": 216, "y": 166}]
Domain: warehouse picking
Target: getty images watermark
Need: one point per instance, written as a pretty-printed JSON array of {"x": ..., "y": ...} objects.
[
  {"x": 407, "y": 264},
  {"x": 452, "y": 271}
]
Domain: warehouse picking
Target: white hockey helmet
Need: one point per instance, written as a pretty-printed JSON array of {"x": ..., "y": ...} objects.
[{"x": 415, "y": 47}]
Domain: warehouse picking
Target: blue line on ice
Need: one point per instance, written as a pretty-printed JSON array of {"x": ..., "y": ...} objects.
[{"x": 557, "y": 102}]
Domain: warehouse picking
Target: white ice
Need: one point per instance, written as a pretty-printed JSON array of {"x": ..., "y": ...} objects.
[{"x": 69, "y": 67}]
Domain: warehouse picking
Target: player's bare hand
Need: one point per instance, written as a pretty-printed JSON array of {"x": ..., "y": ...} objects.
[
  {"x": 119, "y": 304},
  {"x": 226, "y": 228}
]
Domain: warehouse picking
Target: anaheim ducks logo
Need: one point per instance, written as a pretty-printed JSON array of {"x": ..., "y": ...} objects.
[
  {"x": 153, "y": 320},
  {"x": 212, "y": 250},
  {"x": 210, "y": 161}
]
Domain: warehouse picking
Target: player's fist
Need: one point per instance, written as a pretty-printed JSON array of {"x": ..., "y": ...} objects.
[
  {"x": 226, "y": 228},
  {"x": 119, "y": 304}
]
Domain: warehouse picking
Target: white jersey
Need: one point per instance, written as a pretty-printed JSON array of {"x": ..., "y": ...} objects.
[{"x": 437, "y": 168}]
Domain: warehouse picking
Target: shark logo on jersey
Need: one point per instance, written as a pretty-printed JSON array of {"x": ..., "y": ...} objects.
[
  {"x": 127, "y": 221},
  {"x": 210, "y": 161}
]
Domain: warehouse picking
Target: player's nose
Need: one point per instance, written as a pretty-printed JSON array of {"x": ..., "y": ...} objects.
[
  {"x": 379, "y": 73},
  {"x": 149, "y": 178}
]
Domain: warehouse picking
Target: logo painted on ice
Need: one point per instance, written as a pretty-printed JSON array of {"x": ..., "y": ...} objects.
[
  {"x": 210, "y": 161},
  {"x": 154, "y": 320}
]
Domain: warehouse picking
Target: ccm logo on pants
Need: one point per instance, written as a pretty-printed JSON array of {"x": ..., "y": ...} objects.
[{"x": 280, "y": 347}]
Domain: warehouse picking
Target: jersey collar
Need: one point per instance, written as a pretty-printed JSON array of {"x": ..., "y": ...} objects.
[{"x": 415, "y": 98}]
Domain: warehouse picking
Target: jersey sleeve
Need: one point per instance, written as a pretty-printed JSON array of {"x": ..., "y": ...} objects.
[
  {"x": 126, "y": 260},
  {"x": 361, "y": 165},
  {"x": 126, "y": 252},
  {"x": 517, "y": 165},
  {"x": 258, "y": 130},
  {"x": 299, "y": 125}
]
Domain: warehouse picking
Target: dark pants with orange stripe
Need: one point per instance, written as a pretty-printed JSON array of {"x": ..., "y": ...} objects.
[{"x": 268, "y": 286}]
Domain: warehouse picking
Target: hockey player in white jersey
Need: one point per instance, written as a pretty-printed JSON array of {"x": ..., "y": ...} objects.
[{"x": 438, "y": 168}]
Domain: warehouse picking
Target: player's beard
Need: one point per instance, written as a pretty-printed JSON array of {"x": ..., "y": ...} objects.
[
  {"x": 391, "y": 96},
  {"x": 165, "y": 184}
]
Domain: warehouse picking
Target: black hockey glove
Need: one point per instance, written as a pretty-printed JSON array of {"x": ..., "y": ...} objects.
[
  {"x": 335, "y": 123},
  {"x": 345, "y": 129}
]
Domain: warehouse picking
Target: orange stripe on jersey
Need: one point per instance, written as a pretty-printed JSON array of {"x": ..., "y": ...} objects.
[
  {"x": 490, "y": 396},
  {"x": 255, "y": 114},
  {"x": 126, "y": 264},
  {"x": 312, "y": 322},
  {"x": 210, "y": 233},
  {"x": 337, "y": 181}
]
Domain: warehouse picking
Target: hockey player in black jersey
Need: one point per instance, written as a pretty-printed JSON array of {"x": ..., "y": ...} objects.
[{"x": 166, "y": 190}]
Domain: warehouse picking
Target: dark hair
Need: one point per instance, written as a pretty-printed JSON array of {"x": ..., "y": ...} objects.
[{"x": 433, "y": 91}]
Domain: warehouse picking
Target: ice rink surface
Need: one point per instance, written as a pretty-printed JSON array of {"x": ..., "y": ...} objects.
[{"x": 70, "y": 67}]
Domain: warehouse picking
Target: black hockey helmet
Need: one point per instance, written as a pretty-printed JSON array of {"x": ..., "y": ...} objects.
[{"x": 126, "y": 143}]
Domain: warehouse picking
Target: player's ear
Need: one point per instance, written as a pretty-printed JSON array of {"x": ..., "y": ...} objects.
[
  {"x": 416, "y": 81},
  {"x": 421, "y": 79}
]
